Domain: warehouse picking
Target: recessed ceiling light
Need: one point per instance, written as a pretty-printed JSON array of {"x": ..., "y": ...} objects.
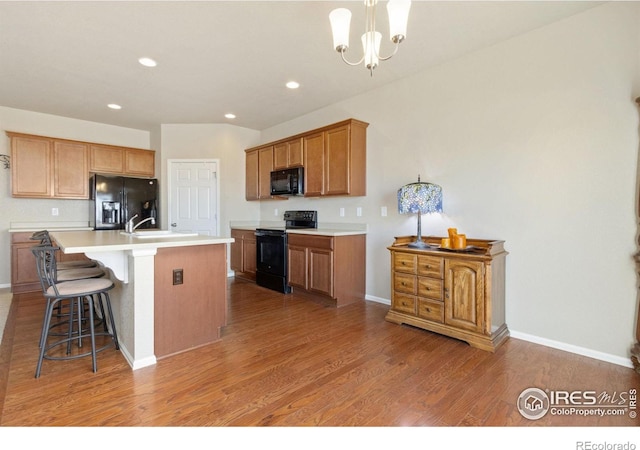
[
  {"x": 293, "y": 85},
  {"x": 114, "y": 106},
  {"x": 230, "y": 116},
  {"x": 148, "y": 62}
]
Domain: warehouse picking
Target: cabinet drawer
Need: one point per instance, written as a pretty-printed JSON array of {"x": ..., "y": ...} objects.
[
  {"x": 404, "y": 303},
  {"x": 430, "y": 266},
  {"x": 430, "y": 287},
  {"x": 404, "y": 262},
  {"x": 305, "y": 240},
  {"x": 431, "y": 310},
  {"x": 404, "y": 283}
]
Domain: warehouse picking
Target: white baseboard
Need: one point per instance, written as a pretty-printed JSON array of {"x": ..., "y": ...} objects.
[
  {"x": 2, "y": 286},
  {"x": 613, "y": 359},
  {"x": 607, "y": 357}
]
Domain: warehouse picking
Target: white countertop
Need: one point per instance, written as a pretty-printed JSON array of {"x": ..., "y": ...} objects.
[
  {"x": 326, "y": 232},
  {"x": 326, "y": 229},
  {"x": 107, "y": 241}
]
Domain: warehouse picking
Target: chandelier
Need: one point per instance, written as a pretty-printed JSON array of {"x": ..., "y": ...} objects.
[{"x": 398, "y": 11}]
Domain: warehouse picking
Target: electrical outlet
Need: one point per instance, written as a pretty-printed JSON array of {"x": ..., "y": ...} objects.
[
  {"x": 178, "y": 276},
  {"x": 275, "y": 212},
  {"x": 54, "y": 211},
  {"x": 359, "y": 211},
  {"x": 341, "y": 212}
]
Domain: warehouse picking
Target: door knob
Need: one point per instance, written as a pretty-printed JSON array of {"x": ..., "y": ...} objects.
[{"x": 174, "y": 224}]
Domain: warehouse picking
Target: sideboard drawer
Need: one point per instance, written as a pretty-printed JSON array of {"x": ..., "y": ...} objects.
[
  {"x": 430, "y": 266},
  {"x": 404, "y": 283},
  {"x": 430, "y": 287},
  {"x": 403, "y": 302},
  {"x": 431, "y": 310},
  {"x": 404, "y": 262}
]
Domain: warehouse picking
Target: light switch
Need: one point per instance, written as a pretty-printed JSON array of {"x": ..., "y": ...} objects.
[{"x": 383, "y": 211}]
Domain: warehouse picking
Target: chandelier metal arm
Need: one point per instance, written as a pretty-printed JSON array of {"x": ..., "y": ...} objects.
[{"x": 342, "y": 50}]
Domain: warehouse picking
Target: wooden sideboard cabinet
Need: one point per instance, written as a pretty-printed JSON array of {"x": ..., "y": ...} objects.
[
  {"x": 458, "y": 294},
  {"x": 24, "y": 276},
  {"x": 243, "y": 254},
  {"x": 333, "y": 267}
]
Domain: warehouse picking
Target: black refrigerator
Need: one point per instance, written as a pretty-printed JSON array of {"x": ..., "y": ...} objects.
[{"x": 116, "y": 199}]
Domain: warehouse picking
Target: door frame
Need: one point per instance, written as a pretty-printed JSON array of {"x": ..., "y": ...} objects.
[{"x": 170, "y": 164}]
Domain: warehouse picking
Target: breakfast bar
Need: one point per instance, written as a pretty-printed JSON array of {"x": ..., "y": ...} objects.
[{"x": 170, "y": 293}]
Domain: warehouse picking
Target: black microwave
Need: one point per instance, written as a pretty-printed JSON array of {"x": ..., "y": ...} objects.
[{"x": 287, "y": 181}]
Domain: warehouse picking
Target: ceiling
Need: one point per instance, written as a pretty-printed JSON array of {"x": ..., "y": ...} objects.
[{"x": 73, "y": 58}]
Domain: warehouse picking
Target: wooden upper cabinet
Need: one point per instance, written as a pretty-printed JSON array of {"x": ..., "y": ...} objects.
[
  {"x": 106, "y": 159},
  {"x": 251, "y": 175},
  {"x": 265, "y": 166},
  {"x": 122, "y": 161},
  {"x": 259, "y": 164},
  {"x": 31, "y": 168},
  {"x": 48, "y": 168},
  {"x": 334, "y": 159},
  {"x": 70, "y": 169},
  {"x": 288, "y": 154},
  {"x": 139, "y": 162},
  {"x": 314, "y": 164}
]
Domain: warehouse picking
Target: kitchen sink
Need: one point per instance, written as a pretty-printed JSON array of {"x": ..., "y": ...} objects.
[{"x": 158, "y": 234}]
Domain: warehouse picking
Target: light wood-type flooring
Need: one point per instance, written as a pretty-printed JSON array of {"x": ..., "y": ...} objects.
[{"x": 285, "y": 360}]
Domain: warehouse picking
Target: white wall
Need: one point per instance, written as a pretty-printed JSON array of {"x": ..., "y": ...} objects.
[
  {"x": 37, "y": 210},
  {"x": 213, "y": 141},
  {"x": 534, "y": 141}
]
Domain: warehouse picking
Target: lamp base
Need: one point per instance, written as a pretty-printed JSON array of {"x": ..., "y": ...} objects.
[{"x": 418, "y": 244}]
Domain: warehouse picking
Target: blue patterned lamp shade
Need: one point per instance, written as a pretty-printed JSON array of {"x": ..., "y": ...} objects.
[{"x": 419, "y": 198}]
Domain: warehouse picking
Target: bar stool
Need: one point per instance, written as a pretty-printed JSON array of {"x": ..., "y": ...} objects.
[{"x": 80, "y": 294}]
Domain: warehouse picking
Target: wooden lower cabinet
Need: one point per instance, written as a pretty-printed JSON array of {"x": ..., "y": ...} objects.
[
  {"x": 24, "y": 276},
  {"x": 458, "y": 294},
  {"x": 243, "y": 254},
  {"x": 332, "y": 267}
]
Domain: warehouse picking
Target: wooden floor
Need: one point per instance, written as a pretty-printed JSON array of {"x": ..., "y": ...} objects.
[{"x": 287, "y": 361}]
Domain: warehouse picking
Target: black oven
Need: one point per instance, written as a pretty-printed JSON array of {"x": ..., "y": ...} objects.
[{"x": 271, "y": 250}]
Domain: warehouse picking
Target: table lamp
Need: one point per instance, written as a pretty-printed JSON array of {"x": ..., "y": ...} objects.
[{"x": 419, "y": 198}]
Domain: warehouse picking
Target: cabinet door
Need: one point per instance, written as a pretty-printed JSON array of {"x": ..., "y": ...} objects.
[
  {"x": 251, "y": 175},
  {"x": 297, "y": 267},
  {"x": 464, "y": 294},
  {"x": 70, "y": 169},
  {"x": 249, "y": 253},
  {"x": 295, "y": 153},
  {"x": 314, "y": 165},
  {"x": 338, "y": 161},
  {"x": 281, "y": 156},
  {"x": 321, "y": 271},
  {"x": 30, "y": 167},
  {"x": 235, "y": 251},
  {"x": 139, "y": 162},
  {"x": 265, "y": 167},
  {"x": 23, "y": 266},
  {"x": 106, "y": 159}
]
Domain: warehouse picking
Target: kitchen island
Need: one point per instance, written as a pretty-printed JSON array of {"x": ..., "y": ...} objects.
[{"x": 170, "y": 293}]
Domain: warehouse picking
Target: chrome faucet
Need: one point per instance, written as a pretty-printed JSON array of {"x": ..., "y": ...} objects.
[{"x": 130, "y": 228}]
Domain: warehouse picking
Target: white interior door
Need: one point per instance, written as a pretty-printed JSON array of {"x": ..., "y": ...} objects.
[{"x": 194, "y": 196}]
